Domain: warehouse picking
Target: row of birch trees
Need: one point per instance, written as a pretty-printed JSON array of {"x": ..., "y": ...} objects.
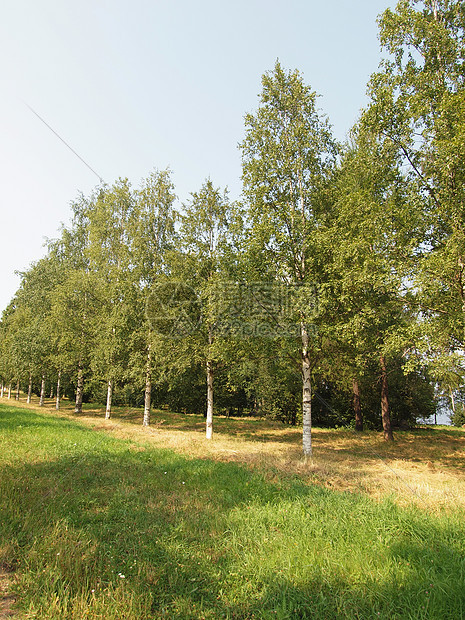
[{"x": 335, "y": 284}]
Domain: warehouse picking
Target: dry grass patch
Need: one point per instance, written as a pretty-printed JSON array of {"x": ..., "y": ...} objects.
[
  {"x": 425, "y": 466},
  {"x": 115, "y": 532}
]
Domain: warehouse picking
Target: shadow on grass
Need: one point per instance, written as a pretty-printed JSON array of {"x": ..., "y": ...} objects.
[
  {"x": 14, "y": 418},
  {"x": 436, "y": 447},
  {"x": 193, "y": 538}
]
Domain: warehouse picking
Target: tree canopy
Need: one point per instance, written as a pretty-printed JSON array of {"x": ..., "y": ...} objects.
[{"x": 331, "y": 292}]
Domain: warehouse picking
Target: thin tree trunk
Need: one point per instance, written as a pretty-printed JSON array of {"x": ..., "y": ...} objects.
[
  {"x": 79, "y": 390},
  {"x": 110, "y": 384},
  {"x": 306, "y": 396},
  {"x": 9, "y": 391},
  {"x": 80, "y": 376},
  {"x": 29, "y": 388},
  {"x": 42, "y": 392},
  {"x": 357, "y": 406},
  {"x": 386, "y": 417},
  {"x": 209, "y": 399},
  {"x": 306, "y": 366},
  {"x": 209, "y": 433},
  {"x": 51, "y": 390},
  {"x": 2, "y": 390},
  {"x": 109, "y": 396},
  {"x": 57, "y": 405},
  {"x": 148, "y": 388},
  {"x": 17, "y": 390}
]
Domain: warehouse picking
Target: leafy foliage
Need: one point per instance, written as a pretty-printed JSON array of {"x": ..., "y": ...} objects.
[{"x": 363, "y": 243}]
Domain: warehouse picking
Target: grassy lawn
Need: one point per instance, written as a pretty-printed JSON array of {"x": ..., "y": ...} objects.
[{"x": 108, "y": 520}]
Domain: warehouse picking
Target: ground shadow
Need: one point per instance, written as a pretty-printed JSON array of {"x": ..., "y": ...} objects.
[{"x": 162, "y": 502}]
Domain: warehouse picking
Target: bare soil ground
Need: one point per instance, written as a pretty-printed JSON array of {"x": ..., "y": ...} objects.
[{"x": 6, "y": 600}]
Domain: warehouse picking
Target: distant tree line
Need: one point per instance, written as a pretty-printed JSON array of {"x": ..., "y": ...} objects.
[{"x": 332, "y": 293}]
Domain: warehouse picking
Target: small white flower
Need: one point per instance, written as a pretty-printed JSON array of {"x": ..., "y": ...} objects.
[
  {"x": 121, "y": 576},
  {"x": 184, "y": 483}
]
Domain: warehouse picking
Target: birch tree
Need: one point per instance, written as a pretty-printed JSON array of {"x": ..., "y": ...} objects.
[
  {"x": 110, "y": 216},
  {"x": 418, "y": 105},
  {"x": 287, "y": 153},
  {"x": 30, "y": 324},
  {"x": 73, "y": 302},
  {"x": 204, "y": 235},
  {"x": 152, "y": 234},
  {"x": 374, "y": 236}
]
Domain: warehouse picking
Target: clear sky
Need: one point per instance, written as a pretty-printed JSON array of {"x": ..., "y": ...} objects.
[{"x": 134, "y": 85}]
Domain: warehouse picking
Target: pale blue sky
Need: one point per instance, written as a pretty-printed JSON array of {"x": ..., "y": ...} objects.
[{"x": 136, "y": 85}]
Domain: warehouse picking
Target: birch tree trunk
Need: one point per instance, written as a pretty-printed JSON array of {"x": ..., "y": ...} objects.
[
  {"x": 79, "y": 390},
  {"x": 29, "y": 388},
  {"x": 42, "y": 392},
  {"x": 80, "y": 375},
  {"x": 306, "y": 396},
  {"x": 148, "y": 388},
  {"x": 109, "y": 396},
  {"x": 209, "y": 399},
  {"x": 209, "y": 429},
  {"x": 57, "y": 404},
  {"x": 17, "y": 390},
  {"x": 110, "y": 384},
  {"x": 357, "y": 405},
  {"x": 51, "y": 390},
  {"x": 386, "y": 417},
  {"x": 9, "y": 391},
  {"x": 2, "y": 390}
]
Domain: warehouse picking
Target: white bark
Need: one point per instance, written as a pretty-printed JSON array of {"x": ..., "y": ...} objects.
[
  {"x": 80, "y": 375},
  {"x": 209, "y": 400},
  {"x": 109, "y": 396},
  {"x": 79, "y": 391},
  {"x": 57, "y": 405},
  {"x": 42, "y": 392},
  {"x": 29, "y": 388},
  {"x": 148, "y": 389},
  {"x": 9, "y": 390},
  {"x": 2, "y": 390},
  {"x": 17, "y": 390},
  {"x": 209, "y": 388},
  {"x": 306, "y": 396}
]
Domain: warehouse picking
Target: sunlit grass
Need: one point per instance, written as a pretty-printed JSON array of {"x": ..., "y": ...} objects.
[
  {"x": 423, "y": 466},
  {"x": 97, "y": 526}
]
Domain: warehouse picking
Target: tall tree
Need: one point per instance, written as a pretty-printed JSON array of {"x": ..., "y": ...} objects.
[
  {"x": 418, "y": 105},
  {"x": 287, "y": 154},
  {"x": 30, "y": 322},
  {"x": 152, "y": 234},
  {"x": 372, "y": 240},
  {"x": 109, "y": 253},
  {"x": 204, "y": 235},
  {"x": 73, "y": 301}
]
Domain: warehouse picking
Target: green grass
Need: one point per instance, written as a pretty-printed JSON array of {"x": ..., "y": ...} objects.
[{"x": 196, "y": 538}]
